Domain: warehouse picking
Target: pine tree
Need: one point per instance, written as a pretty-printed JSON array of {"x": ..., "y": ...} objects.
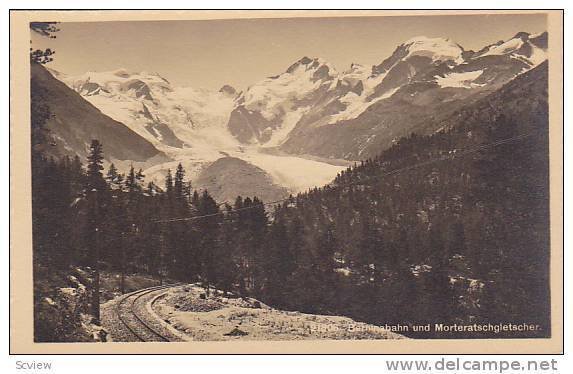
[
  {"x": 132, "y": 183},
  {"x": 95, "y": 180},
  {"x": 208, "y": 229},
  {"x": 226, "y": 253},
  {"x": 195, "y": 199},
  {"x": 140, "y": 177},
  {"x": 96, "y": 188},
  {"x": 179, "y": 183},
  {"x": 46, "y": 29},
  {"x": 114, "y": 178},
  {"x": 279, "y": 265},
  {"x": 258, "y": 233},
  {"x": 169, "y": 185}
]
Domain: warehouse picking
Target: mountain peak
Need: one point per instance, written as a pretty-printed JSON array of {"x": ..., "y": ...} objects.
[
  {"x": 317, "y": 63},
  {"x": 356, "y": 72},
  {"x": 355, "y": 66},
  {"x": 121, "y": 72},
  {"x": 436, "y": 48},
  {"x": 424, "y": 39},
  {"x": 521, "y": 35},
  {"x": 228, "y": 90},
  {"x": 530, "y": 48},
  {"x": 539, "y": 40}
]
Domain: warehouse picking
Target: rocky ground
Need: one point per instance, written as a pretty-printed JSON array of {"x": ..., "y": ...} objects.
[{"x": 216, "y": 317}]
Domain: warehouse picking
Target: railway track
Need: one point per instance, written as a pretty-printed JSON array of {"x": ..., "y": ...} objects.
[{"x": 135, "y": 323}]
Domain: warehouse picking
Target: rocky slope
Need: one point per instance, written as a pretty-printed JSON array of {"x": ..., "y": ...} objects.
[
  {"x": 74, "y": 122},
  {"x": 229, "y": 177}
]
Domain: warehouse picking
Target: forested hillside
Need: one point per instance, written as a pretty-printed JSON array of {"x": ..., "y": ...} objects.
[{"x": 451, "y": 227}]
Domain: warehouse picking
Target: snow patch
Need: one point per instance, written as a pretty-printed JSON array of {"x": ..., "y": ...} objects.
[
  {"x": 280, "y": 135},
  {"x": 419, "y": 269},
  {"x": 459, "y": 80},
  {"x": 344, "y": 271},
  {"x": 69, "y": 291},
  {"x": 538, "y": 55},
  {"x": 438, "y": 49},
  {"x": 356, "y": 105},
  {"x": 504, "y": 48}
]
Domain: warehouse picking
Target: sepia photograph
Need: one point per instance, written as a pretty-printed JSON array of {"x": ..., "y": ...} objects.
[{"x": 290, "y": 178}]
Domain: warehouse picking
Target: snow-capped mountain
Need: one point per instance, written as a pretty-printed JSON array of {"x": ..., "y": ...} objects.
[
  {"x": 190, "y": 126},
  {"x": 313, "y": 109},
  {"x": 269, "y": 110},
  {"x": 166, "y": 116},
  {"x": 289, "y": 124},
  {"x": 526, "y": 47}
]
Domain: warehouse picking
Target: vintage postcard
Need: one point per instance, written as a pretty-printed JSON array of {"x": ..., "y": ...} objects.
[{"x": 286, "y": 182}]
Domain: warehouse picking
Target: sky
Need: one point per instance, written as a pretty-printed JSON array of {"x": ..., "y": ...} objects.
[{"x": 241, "y": 52}]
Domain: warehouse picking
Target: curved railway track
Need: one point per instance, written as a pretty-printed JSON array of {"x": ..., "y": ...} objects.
[{"x": 134, "y": 322}]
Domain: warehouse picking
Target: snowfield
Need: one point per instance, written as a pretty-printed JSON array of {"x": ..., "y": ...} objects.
[
  {"x": 217, "y": 318},
  {"x": 460, "y": 80},
  {"x": 437, "y": 48}
]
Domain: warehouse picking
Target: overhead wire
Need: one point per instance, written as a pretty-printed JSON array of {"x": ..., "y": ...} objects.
[{"x": 452, "y": 156}]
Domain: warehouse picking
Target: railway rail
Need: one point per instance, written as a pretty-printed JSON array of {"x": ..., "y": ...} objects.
[{"x": 134, "y": 322}]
